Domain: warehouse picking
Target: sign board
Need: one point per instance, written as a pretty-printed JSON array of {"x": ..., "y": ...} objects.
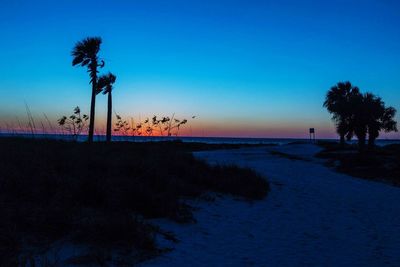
[{"x": 312, "y": 130}]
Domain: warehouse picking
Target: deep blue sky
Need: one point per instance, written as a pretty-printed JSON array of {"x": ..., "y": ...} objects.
[{"x": 245, "y": 68}]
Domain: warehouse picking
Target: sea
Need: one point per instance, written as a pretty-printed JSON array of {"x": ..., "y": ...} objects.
[{"x": 207, "y": 140}]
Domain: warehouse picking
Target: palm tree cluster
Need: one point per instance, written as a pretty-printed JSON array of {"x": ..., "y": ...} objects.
[
  {"x": 85, "y": 54},
  {"x": 357, "y": 114}
]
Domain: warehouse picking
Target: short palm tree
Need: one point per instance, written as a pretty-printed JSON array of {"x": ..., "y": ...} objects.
[
  {"x": 359, "y": 119},
  {"x": 378, "y": 117},
  {"x": 105, "y": 84},
  {"x": 337, "y": 102},
  {"x": 85, "y": 55},
  {"x": 369, "y": 117}
]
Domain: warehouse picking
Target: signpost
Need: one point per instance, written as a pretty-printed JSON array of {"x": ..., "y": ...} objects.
[{"x": 312, "y": 134}]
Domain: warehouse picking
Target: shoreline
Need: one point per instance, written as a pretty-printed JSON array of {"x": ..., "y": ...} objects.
[{"x": 189, "y": 139}]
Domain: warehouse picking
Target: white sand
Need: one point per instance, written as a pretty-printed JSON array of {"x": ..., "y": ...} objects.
[{"x": 312, "y": 217}]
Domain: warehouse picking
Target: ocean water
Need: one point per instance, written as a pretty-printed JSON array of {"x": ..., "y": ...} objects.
[{"x": 208, "y": 140}]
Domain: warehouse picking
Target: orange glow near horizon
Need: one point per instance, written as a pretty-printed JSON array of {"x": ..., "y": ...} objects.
[{"x": 199, "y": 127}]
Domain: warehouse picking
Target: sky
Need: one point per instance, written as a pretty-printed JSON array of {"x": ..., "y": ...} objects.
[{"x": 243, "y": 68}]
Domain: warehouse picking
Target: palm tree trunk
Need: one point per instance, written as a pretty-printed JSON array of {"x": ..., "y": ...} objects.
[
  {"x": 372, "y": 135},
  {"x": 342, "y": 140},
  {"x": 93, "y": 74},
  {"x": 361, "y": 142},
  {"x": 371, "y": 142},
  {"x": 109, "y": 118}
]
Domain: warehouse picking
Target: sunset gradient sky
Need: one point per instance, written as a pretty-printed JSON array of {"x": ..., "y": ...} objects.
[{"x": 244, "y": 68}]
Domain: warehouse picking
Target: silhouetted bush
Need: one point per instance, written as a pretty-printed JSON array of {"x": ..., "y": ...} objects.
[{"x": 75, "y": 124}]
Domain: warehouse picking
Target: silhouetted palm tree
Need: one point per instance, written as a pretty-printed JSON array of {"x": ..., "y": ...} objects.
[
  {"x": 85, "y": 54},
  {"x": 388, "y": 124},
  {"x": 337, "y": 102},
  {"x": 378, "y": 117},
  {"x": 359, "y": 119},
  {"x": 105, "y": 84}
]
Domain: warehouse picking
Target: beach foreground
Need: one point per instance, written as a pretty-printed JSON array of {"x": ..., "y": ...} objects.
[
  {"x": 68, "y": 203},
  {"x": 313, "y": 216}
]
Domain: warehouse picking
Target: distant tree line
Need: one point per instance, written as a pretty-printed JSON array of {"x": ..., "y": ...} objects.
[{"x": 363, "y": 115}]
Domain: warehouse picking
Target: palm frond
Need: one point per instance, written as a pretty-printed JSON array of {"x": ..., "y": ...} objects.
[
  {"x": 106, "y": 82},
  {"x": 86, "y": 51}
]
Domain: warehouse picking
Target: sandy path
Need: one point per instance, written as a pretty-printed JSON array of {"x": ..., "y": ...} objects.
[{"x": 312, "y": 217}]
